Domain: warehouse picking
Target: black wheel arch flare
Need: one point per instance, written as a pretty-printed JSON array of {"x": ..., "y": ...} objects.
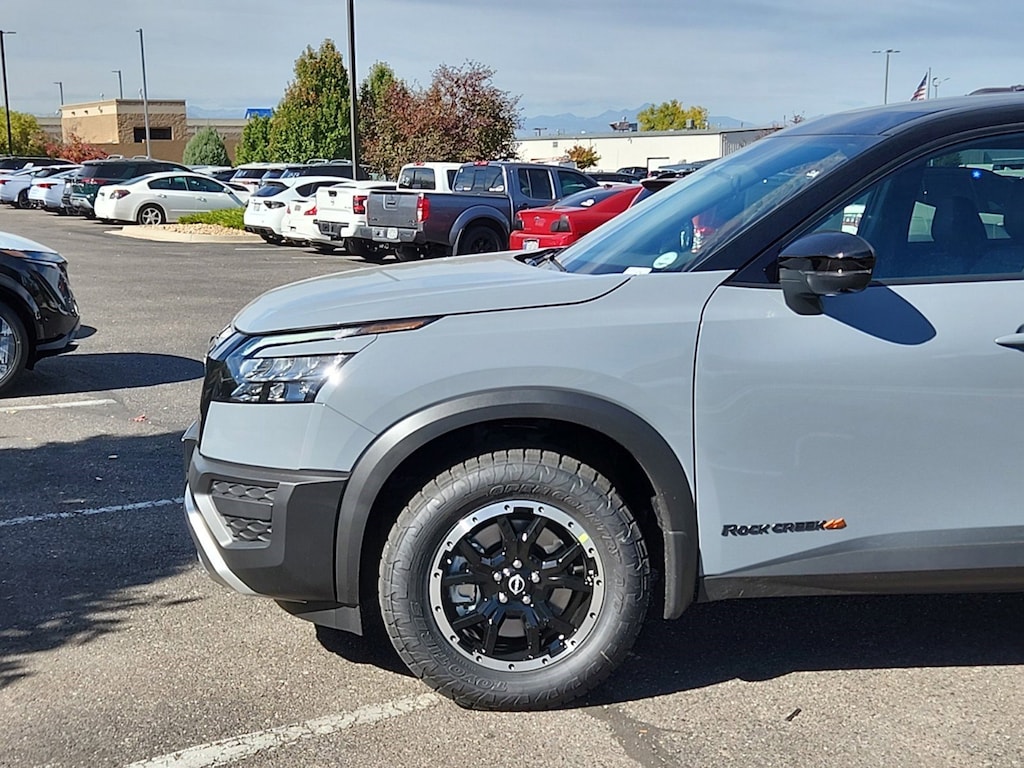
[{"x": 673, "y": 498}]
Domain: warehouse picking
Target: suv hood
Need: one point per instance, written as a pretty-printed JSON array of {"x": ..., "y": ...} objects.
[{"x": 460, "y": 285}]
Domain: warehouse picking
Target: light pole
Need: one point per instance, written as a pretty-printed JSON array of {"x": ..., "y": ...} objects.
[
  {"x": 145, "y": 92},
  {"x": 888, "y": 52},
  {"x": 936, "y": 82},
  {"x": 120, "y": 85},
  {"x": 7, "y": 104},
  {"x": 352, "y": 107},
  {"x": 60, "y": 84}
]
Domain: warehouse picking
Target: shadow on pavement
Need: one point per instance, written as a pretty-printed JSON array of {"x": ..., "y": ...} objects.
[
  {"x": 765, "y": 639},
  {"x": 93, "y": 372},
  {"x": 70, "y": 579}
]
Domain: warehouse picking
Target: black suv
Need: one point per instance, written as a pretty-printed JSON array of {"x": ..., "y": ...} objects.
[
  {"x": 38, "y": 313},
  {"x": 98, "y": 173}
]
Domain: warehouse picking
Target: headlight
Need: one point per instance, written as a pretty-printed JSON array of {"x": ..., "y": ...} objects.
[
  {"x": 287, "y": 367},
  {"x": 282, "y": 379}
]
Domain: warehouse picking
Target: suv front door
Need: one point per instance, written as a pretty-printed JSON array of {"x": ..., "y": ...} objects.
[{"x": 876, "y": 443}]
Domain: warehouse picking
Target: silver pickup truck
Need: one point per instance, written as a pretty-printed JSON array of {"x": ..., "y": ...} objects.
[{"x": 476, "y": 217}]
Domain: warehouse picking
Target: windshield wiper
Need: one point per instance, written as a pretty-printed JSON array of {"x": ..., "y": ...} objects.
[{"x": 547, "y": 257}]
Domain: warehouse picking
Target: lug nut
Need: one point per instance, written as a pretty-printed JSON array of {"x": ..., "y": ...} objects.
[
  {"x": 517, "y": 563},
  {"x": 535, "y": 577},
  {"x": 502, "y": 597},
  {"x": 497, "y": 575},
  {"x": 527, "y": 600}
]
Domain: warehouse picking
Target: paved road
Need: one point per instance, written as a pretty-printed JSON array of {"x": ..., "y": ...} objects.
[{"x": 116, "y": 649}]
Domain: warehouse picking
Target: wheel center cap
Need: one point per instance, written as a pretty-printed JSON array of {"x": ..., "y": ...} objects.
[{"x": 516, "y": 584}]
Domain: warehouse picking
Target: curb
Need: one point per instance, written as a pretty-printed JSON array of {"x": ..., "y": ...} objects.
[{"x": 168, "y": 236}]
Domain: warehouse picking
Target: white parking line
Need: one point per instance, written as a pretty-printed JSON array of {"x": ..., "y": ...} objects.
[
  {"x": 237, "y": 748},
  {"x": 48, "y": 406},
  {"x": 28, "y": 519}
]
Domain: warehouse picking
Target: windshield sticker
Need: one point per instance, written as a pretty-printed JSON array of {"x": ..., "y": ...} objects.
[
  {"x": 666, "y": 260},
  {"x": 636, "y": 271}
]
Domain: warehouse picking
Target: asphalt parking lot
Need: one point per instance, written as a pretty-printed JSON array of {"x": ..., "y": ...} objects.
[{"x": 116, "y": 649}]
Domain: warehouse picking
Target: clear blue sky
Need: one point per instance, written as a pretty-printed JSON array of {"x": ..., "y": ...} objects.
[{"x": 754, "y": 60}]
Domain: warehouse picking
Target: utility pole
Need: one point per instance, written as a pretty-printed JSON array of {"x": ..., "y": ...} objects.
[
  {"x": 888, "y": 52},
  {"x": 145, "y": 92},
  {"x": 352, "y": 106},
  {"x": 7, "y": 103},
  {"x": 60, "y": 84},
  {"x": 120, "y": 85}
]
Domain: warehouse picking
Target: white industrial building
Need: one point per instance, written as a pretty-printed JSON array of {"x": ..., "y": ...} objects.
[{"x": 647, "y": 149}]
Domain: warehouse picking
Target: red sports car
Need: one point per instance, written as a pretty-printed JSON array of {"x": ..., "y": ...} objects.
[{"x": 565, "y": 221}]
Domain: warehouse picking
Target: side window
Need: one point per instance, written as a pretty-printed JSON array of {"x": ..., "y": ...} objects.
[
  {"x": 535, "y": 183},
  {"x": 196, "y": 184},
  {"x": 956, "y": 213},
  {"x": 570, "y": 182},
  {"x": 164, "y": 183}
]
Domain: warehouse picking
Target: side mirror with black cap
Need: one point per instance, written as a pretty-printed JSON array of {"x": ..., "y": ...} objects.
[{"x": 824, "y": 264}]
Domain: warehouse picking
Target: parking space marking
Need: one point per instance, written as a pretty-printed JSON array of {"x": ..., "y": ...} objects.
[
  {"x": 237, "y": 748},
  {"x": 48, "y": 406},
  {"x": 29, "y": 519}
]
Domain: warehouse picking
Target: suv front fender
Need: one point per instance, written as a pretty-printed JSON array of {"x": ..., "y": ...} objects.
[{"x": 673, "y": 498}]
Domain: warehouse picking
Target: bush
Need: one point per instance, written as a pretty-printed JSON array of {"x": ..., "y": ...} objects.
[
  {"x": 228, "y": 217},
  {"x": 206, "y": 148}
]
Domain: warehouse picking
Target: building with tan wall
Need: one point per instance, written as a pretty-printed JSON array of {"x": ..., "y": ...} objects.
[{"x": 118, "y": 126}]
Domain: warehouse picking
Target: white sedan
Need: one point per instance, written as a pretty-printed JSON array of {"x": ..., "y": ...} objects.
[
  {"x": 47, "y": 192},
  {"x": 14, "y": 186},
  {"x": 265, "y": 211},
  {"x": 164, "y": 197}
]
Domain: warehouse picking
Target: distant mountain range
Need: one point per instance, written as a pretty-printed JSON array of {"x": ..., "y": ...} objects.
[
  {"x": 564, "y": 123},
  {"x": 568, "y": 123}
]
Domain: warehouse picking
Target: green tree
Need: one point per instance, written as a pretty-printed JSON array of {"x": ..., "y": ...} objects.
[
  {"x": 461, "y": 116},
  {"x": 312, "y": 119},
  {"x": 26, "y": 136},
  {"x": 254, "y": 146},
  {"x": 584, "y": 157},
  {"x": 377, "y": 136},
  {"x": 206, "y": 148},
  {"x": 672, "y": 116}
]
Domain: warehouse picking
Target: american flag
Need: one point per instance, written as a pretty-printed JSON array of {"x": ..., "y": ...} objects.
[{"x": 922, "y": 90}]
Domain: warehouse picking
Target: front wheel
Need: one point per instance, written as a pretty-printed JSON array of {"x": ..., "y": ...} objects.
[
  {"x": 13, "y": 346},
  {"x": 151, "y": 215},
  {"x": 514, "y": 580}
]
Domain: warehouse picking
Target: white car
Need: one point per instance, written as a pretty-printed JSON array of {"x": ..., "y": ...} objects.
[
  {"x": 300, "y": 225},
  {"x": 264, "y": 214},
  {"x": 47, "y": 192},
  {"x": 14, "y": 186},
  {"x": 341, "y": 217},
  {"x": 164, "y": 197}
]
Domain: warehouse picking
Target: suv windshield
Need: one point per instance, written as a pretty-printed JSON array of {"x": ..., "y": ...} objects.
[{"x": 686, "y": 222}]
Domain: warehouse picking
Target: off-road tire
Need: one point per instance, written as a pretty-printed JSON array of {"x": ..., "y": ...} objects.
[{"x": 590, "y": 517}]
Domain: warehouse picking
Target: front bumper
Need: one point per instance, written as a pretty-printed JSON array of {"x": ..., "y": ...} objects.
[{"x": 268, "y": 532}]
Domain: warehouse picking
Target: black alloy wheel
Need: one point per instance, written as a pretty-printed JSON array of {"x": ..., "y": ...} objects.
[
  {"x": 23, "y": 201},
  {"x": 514, "y": 580}
]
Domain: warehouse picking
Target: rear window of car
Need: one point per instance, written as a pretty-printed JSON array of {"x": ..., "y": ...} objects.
[
  {"x": 417, "y": 178},
  {"x": 589, "y": 197},
  {"x": 110, "y": 171},
  {"x": 249, "y": 173},
  {"x": 269, "y": 189}
]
